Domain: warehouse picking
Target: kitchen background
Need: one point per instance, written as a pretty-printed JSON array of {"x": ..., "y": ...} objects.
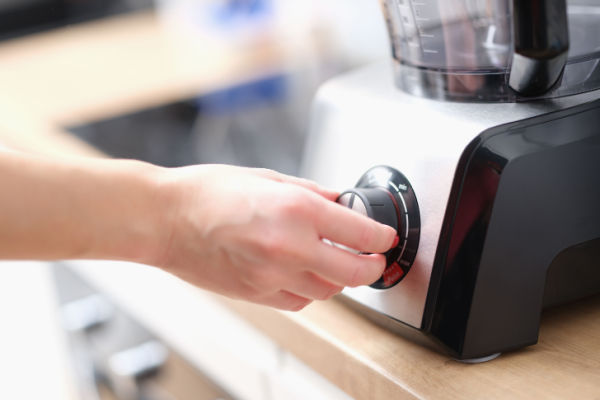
[{"x": 73, "y": 339}]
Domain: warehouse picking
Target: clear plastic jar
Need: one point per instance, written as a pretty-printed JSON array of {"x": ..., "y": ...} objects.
[{"x": 468, "y": 49}]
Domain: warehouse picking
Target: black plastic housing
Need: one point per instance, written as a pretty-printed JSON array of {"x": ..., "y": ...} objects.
[{"x": 524, "y": 216}]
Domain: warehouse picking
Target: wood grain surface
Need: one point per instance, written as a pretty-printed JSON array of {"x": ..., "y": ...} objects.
[{"x": 369, "y": 362}]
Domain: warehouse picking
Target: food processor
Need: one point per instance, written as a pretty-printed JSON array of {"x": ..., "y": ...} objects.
[{"x": 480, "y": 145}]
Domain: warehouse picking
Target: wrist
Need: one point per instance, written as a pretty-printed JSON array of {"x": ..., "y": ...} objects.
[
  {"x": 128, "y": 220},
  {"x": 165, "y": 198}
]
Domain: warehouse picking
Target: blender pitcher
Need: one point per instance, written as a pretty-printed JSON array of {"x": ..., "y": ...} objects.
[{"x": 495, "y": 50}]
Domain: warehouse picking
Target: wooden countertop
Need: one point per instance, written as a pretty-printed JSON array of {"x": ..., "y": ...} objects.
[
  {"x": 45, "y": 87},
  {"x": 369, "y": 362},
  {"x": 87, "y": 71}
]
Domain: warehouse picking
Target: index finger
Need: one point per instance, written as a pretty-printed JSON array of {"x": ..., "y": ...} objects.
[
  {"x": 294, "y": 180},
  {"x": 349, "y": 228}
]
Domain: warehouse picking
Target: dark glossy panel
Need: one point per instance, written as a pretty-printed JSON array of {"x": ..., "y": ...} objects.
[
  {"x": 525, "y": 192},
  {"x": 464, "y": 248}
]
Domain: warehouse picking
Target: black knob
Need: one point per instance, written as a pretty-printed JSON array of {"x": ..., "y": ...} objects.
[{"x": 385, "y": 195}]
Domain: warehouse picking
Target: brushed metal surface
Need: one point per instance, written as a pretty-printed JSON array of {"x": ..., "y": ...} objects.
[{"x": 361, "y": 120}]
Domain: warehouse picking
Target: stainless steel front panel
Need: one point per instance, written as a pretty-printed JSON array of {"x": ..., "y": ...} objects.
[{"x": 361, "y": 120}]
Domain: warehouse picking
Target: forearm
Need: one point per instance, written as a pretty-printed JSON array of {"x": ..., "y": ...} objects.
[
  {"x": 77, "y": 208},
  {"x": 245, "y": 233}
]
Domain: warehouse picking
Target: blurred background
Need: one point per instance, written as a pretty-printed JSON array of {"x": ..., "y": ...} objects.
[
  {"x": 172, "y": 82},
  {"x": 191, "y": 81}
]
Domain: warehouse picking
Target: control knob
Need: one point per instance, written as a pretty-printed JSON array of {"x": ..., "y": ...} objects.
[{"x": 385, "y": 195}]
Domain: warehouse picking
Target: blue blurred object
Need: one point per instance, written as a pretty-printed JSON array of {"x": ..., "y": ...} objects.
[
  {"x": 266, "y": 91},
  {"x": 238, "y": 12}
]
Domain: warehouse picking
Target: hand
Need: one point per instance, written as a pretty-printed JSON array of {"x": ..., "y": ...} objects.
[
  {"x": 257, "y": 235},
  {"x": 246, "y": 233}
]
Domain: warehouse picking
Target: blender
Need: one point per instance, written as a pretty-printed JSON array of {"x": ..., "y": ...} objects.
[{"x": 480, "y": 145}]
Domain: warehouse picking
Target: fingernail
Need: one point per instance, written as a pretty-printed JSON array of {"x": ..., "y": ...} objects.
[{"x": 396, "y": 241}]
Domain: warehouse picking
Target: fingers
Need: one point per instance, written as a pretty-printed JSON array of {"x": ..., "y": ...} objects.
[
  {"x": 305, "y": 183},
  {"x": 329, "y": 194},
  {"x": 339, "y": 224},
  {"x": 284, "y": 300},
  {"x": 296, "y": 280},
  {"x": 344, "y": 226},
  {"x": 310, "y": 286},
  {"x": 347, "y": 269}
]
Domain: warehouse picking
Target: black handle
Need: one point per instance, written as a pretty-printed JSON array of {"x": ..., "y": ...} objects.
[{"x": 541, "y": 39}]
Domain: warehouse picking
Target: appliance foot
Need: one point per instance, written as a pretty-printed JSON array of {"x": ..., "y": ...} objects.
[{"x": 480, "y": 360}]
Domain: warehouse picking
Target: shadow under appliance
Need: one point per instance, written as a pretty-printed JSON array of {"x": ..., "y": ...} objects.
[{"x": 484, "y": 155}]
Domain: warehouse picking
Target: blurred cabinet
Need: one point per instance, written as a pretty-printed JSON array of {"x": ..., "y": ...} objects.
[
  {"x": 136, "y": 332},
  {"x": 115, "y": 357}
]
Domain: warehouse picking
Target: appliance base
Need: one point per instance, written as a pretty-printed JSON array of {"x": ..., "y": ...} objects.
[
  {"x": 480, "y": 360},
  {"x": 410, "y": 333}
]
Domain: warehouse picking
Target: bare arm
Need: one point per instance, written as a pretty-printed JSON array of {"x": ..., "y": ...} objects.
[
  {"x": 75, "y": 208},
  {"x": 245, "y": 233}
]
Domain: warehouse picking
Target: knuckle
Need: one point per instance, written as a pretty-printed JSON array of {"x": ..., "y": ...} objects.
[
  {"x": 261, "y": 279},
  {"x": 319, "y": 215},
  {"x": 268, "y": 173},
  {"x": 323, "y": 295},
  {"x": 293, "y": 204},
  {"x": 335, "y": 291},
  {"x": 321, "y": 289},
  {"x": 299, "y": 305},
  {"x": 329, "y": 292},
  {"x": 312, "y": 185},
  {"x": 273, "y": 243},
  {"x": 246, "y": 291}
]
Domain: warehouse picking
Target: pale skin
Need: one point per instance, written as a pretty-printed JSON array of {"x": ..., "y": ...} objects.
[{"x": 250, "y": 234}]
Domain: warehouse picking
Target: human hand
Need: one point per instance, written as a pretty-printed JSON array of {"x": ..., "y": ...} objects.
[{"x": 256, "y": 235}]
